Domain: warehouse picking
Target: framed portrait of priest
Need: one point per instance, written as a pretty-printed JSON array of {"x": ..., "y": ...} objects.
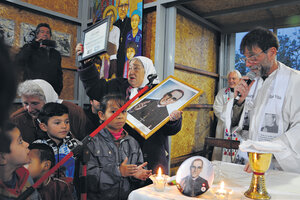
[{"x": 147, "y": 114}]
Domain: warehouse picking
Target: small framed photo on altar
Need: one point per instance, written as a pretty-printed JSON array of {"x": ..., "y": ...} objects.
[
  {"x": 95, "y": 39},
  {"x": 147, "y": 114}
]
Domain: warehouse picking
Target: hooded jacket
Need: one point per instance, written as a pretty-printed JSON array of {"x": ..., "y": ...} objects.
[{"x": 104, "y": 178}]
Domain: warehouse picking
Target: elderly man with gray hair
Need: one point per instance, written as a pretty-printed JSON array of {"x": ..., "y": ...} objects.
[
  {"x": 223, "y": 96},
  {"x": 34, "y": 95}
]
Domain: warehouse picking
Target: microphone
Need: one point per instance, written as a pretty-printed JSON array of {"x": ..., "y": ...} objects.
[
  {"x": 151, "y": 78},
  {"x": 251, "y": 75}
]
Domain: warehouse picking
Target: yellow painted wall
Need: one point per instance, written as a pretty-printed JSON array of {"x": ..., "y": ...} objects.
[
  {"x": 66, "y": 7},
  {"x": 149, "y": 35},
  {"x": 196, "y": 47}
]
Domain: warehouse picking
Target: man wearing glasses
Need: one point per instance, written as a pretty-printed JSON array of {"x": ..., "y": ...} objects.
[
  {"x": 124, "y": 24},
  {"x": 274, "y": 92},
  {"x": 194, "y": 185},
  {"x": 151, "y": 112}
]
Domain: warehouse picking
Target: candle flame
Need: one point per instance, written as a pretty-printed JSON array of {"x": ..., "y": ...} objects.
[
  {"x": 159, "y": 173},
  {"x": 222, "y": 191},
  {"x": 222, "y": 185}
]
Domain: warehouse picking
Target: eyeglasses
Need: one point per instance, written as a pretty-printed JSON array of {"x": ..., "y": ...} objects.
[{"x": 251, "y": 58}]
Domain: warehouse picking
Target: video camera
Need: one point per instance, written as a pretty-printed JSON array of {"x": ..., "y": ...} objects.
[{"x": 49, "y": 43}]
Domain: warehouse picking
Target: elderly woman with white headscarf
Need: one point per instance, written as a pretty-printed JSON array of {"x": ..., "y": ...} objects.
[
  {"x": 155, "y": 149},
  {"x": 34, "y": 95}
]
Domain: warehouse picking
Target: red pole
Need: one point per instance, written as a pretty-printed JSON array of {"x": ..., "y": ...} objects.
[{"x": 30, "y": 190}]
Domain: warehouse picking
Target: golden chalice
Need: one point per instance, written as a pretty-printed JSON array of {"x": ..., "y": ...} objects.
[{"x": 259, "y": 163}]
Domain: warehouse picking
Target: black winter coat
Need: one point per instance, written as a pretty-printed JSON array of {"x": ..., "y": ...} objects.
[{"x": 41, "y": 63}]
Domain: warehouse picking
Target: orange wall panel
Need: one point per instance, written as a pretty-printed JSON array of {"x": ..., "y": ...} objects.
[
  {"x": 149, "y": 31},
  {"x": 196, "y": 47},
  {"x": 66, "y": 7}
]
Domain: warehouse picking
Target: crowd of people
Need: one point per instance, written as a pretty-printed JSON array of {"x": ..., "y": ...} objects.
[{"x": 40, "y": 134}]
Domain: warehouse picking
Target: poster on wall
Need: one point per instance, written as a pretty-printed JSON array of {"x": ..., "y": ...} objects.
[
  {"x": 125, "y": 34},
  {"x": 27, "y": 33},
  {"x": 63, "y": 40},
  {"x": 7, "y": 30}
]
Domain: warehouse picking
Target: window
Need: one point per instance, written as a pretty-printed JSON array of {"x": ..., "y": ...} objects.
[
  {"x": 288, "y": 53},
  {"x": 289, "y": 50}
]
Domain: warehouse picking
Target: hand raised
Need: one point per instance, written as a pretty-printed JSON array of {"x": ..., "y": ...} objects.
[
  {"x": 142, "y": 173},
  {"x": 79, "y": 49},
  {"x": 242, "y": 89},
  {"x": 127, "y": 170}
]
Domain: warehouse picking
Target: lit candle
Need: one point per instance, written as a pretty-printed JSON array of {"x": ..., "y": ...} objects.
[
  {"x": 222, "y": 193},
  {"x": 159, "y": 180}
]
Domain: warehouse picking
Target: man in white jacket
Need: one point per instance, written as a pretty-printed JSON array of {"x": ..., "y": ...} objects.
[
  {"x": 274, "y": 92},
  {"x": 223, "y": 96}
]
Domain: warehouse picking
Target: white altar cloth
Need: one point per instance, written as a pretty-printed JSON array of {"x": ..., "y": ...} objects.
[{"x": 280, "y": 185}]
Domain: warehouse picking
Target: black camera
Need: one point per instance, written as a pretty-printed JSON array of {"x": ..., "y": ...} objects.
[{"x": 49, "y": 43}]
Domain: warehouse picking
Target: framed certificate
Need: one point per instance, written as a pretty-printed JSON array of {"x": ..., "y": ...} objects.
[
  {"x": 95, "y": 39},
  {"x": 151, "y": 111}
]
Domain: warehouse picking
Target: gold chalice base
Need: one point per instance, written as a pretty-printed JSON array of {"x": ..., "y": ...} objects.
[{"x": 260, "y": 163}]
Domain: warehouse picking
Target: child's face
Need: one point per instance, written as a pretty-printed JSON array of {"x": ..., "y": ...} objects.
[
  {"x": 19, "y": 154},
  {"x": 135, "y": 20},
  {"x": 35, "y": 166},
  {"x": 58, "y": 127},
  {"x": 117, "y": 123},
  {"x": 130, "y": 53}
]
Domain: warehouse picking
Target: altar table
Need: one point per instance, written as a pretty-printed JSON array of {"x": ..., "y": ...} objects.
[{"x": 280, "y": 185}]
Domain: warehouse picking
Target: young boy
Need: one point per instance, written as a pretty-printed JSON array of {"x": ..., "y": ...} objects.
[
  {"x": 54, "y": 120},
  {"x": 14, "y": 153},
  {"x": 41, "y": 160},
  {"x": 130, "y": 53}
]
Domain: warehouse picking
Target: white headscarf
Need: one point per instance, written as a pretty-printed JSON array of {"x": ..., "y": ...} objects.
[
  {"x": 149, "y": 69},
  {"x": 49, "y": 92}
]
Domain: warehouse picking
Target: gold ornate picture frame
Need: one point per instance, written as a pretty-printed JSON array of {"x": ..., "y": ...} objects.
[{"x": 150, "y": 112}]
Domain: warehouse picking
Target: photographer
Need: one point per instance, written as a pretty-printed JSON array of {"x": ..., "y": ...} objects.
[{"x": 39, "y": 60}]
